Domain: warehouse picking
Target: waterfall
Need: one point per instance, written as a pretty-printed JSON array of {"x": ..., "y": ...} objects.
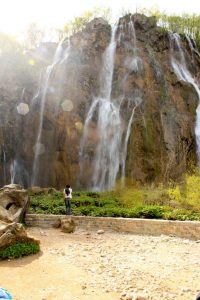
[
  {"x": 133, "y": 64},
  {"x": 107, "y": 70},
  {"x": 107, "y": 156},
  {"x": 13, "y": 171},
  {"x": 4, "y": 166},
  {"x": 181, "y": 70},
  {"x": 111, "y": 136},
  {"x": 137, "y": 101},
  {"x": 39, "y": 148},
  {"x": 192, "y": 45}
]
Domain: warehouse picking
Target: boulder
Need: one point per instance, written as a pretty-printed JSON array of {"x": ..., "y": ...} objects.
[
  {"x": 12, "y": 233},
  {"x": 14, "y": 201},
  {"x": 68, "y": 225},
  {"x": 100, "y": 231}
]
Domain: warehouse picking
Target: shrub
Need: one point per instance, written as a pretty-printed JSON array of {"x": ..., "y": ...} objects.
[
  {"x": 93, "y": 194},
  {"x": 19, "y": 249},
  {"x": 187, "y": 194},
  {"x": 131, "y": 197},
  {"x": 181, "y": 215},
  {"x": 134, "y": 202}
]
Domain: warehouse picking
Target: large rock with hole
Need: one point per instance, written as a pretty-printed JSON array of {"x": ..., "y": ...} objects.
[
  {"x": 14, "y": 201},
  {"x": 12, "y": 233}
]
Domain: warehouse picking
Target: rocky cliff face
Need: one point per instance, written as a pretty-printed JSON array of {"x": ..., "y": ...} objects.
[{"x": 161, "y": 144}]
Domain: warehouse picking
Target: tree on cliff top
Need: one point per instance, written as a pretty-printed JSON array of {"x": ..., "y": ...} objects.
[
  {"x": 34, "y": 35},
  {"x": 78, "y": 23},
  {"x": 185, "y": 23}
]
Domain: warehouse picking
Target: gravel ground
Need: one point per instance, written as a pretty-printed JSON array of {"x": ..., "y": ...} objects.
[{"x": 88, "y": 265}]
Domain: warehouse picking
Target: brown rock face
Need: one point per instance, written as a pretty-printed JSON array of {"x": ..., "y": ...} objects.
[
  {"x": 161, "y": 144},
  {"x": 14, "y": 202},
  {"x": 13, "y": 233}
]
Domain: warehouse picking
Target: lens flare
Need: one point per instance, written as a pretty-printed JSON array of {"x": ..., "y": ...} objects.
[
  {"x": 31, "y": 62},
  {"x": 67, "y": 105},
  {"x": 22, "y": 109}
]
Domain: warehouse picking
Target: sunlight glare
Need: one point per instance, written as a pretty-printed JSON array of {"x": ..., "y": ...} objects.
[{"x": 23, "y": 109}]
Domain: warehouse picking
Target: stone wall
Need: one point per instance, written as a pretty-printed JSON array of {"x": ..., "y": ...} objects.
[{"x": 184, "y": 229}]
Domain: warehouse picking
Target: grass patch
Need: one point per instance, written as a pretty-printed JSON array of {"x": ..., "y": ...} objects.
[{"x": 19, "y": 249}]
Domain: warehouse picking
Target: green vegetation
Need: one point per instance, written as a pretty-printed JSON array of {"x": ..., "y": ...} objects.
[
  {"x": 177, "y": 202},
  {"x": 187, "y": 194},
  {"x": 184, "y": 24},
  {"x": 78, "y": 23},
  {"x": 19, "y": 249}
]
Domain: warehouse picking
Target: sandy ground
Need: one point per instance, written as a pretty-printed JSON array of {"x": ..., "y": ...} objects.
[{"x": 93, "y": 266}]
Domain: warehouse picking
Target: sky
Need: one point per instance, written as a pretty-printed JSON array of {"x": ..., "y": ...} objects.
[{"x": 15, "y": 15}]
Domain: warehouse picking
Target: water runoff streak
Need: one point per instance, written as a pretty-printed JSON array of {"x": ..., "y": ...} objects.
[
  {"x": 134, "y": 64},
  {"x": 192, "y": 45},
  {"x": 13, "y": 171},
  {"x": 182, "y": 72},
  {"x": 59, "y": 57},
  {"x": 4, "y": 167}
]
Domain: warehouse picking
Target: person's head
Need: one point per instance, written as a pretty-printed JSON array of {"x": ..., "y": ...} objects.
[{"x": 68, "y": 186}]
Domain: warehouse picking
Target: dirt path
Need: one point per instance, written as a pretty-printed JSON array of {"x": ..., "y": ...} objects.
[{"x": 102, "y": 267}]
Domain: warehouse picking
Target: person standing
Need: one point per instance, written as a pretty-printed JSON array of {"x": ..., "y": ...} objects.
[{"x": 68, "y": 197}]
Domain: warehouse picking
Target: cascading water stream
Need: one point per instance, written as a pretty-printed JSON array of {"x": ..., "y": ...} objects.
[
  {"x": 108, "y": 67},
  {"x": 192, "y": 46},
  {"x": 112, "y": 142},
  {"x": 107, "y": 156},
  {"x": 134, "y": 64},
  {"x": 180, "y": 68},
  {"x": 13, "y": 171},
  {"x": 59, "y": 57},
  {"x": 4, "y": 166},
  {"x": 124, "y": 152}
]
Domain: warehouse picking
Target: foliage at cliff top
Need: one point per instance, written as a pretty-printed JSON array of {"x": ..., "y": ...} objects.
[
  {"x": 78, "y": 23},
  {"x": 185, "y": 24}
]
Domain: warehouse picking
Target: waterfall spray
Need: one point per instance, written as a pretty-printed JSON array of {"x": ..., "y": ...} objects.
[
  {"x": 60, "y": 56},
  {"x": 180, "y": 68}
]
